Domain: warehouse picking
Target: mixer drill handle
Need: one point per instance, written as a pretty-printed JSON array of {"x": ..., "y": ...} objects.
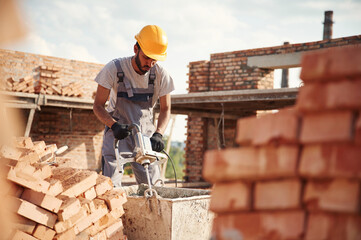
[{"x": 134, "y": 126}]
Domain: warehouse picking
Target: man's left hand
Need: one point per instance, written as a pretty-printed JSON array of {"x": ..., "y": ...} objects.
[{"x": 157, "y": 142}]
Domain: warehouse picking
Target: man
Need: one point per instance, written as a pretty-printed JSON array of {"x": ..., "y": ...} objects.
[{"x": 133, "y": 85}]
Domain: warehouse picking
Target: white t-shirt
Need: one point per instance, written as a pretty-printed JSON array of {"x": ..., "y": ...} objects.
[{"x": 107, "y": 78}]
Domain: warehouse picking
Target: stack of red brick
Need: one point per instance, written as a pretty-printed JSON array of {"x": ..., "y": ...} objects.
[
  {"x": 45, "y": 82},
  {"x": 72, "y": 90},
  {"x": 59, "y": 202},
  {"x": 297, "y": 173},
  {"x": 25, "y": 84}
]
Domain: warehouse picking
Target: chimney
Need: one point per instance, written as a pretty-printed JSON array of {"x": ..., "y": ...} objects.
[
  {"x": 284, "y": 79},
  {"x": 327, "y": 25}
]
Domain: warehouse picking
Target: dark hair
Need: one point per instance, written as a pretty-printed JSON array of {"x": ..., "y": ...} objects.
[{"x": 138, "y": 45}]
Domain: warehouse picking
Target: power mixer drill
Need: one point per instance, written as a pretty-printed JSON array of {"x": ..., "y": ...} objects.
[{"x": 142, "y": 154}]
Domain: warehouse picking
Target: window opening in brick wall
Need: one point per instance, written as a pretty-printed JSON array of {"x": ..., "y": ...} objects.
[{"x": 293, "y": 77}]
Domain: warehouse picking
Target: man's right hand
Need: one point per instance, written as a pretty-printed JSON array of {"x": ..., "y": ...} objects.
[{"x": 120, "y": 131}]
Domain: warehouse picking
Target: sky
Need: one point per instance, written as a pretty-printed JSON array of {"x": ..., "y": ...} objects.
[{"x": 99, "y": 31}]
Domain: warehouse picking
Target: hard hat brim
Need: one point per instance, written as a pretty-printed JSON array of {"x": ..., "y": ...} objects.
[{"x": 158, "y": 57}]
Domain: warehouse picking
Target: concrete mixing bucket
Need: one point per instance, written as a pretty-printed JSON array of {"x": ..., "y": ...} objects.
[{"x": 175, "y": 214}]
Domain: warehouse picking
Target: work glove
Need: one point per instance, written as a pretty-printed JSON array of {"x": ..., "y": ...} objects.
[
  {"x": 120, "y": 131},
  {"x": 157, "y": 142}
]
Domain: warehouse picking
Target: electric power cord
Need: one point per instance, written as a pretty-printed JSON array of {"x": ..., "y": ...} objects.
[{"x": 171, "y": 161}]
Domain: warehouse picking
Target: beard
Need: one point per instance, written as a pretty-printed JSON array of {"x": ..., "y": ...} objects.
[{"x": 143, "y": 69}]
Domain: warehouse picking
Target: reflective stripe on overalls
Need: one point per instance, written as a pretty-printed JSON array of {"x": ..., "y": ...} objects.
[{"x": 133, "y": 105}]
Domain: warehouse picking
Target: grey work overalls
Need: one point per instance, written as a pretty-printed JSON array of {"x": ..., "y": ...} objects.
[{"x": 133, "y": 105}]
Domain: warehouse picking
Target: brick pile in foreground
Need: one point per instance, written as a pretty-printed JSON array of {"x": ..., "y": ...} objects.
[
  {"x": 54, "y": 202},
  {"x": 297, "y": 173}
]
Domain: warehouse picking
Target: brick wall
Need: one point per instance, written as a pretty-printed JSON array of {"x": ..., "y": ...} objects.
[
  {"x": 229, "y": 71},
  {"x": 298, "y": 173},
  {"x": 78, "y": 129},
  {"x": 196, "y": 145}
]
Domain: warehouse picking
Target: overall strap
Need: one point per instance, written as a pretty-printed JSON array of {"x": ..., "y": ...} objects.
[
  {"x": 120, "y": 75},
  {"x": 152, "y": 76}
]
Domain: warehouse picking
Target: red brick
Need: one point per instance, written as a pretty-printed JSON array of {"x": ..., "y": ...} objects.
[
  {"x": 345, "y": 94},
  {"x": 260, "y": 225},
  {"x": 246, "y": 130},
  {"x": 43, "y": 233},
  {"x": 265, "y": 162},
  {"x": 79, "y": 183},
  {"x": 34, "y": 212},
  {"x": 90, "y": 193},
  {"x": 333, "y": 226},
  {"x": 90, "y": 219},
  {"x": 312, "y": 97},
  {"x": 63, "y": 173},
  {"x": 36, "y": 185},
  {"x": 39, "y": 147},
  {"x": 19, "y": 235},
  {"x": 115, "y": 228},
  {"x": 23, "y": 224},
  {"x": 55, "y": 187},
  {"x": 337, "y": 195},
  {"x": 43, "y": 170},
  {"x": 358, "y": 130},
  {"x": 114, "y": 198},
  {"x": 97, "y": 204},
  {"x": 280, "y": 127},
  {"x": 331, "y": 64},
  {"x": 10, "y": 152},
  {"x": 102, "y": 236},
  {"x": 23, "y": 142},
  {"x": 105, "y": 221},
  {"x": 335, "y": 126},
  {"x": 69, "y": 234},
  {"x": 228, "y": 197},
  {"x": 42, "y": 200},
  {"x": 69, "y": 208},
  {"x": 62, "y": 226},
  {"x": 331, "y": 160},
  {"x": 103, "y": 184},
  {"x": 280, "y": 194}
]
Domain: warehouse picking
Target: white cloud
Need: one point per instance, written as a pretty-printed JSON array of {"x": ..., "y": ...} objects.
[
  {"x": 33, "y": 43},
  {"x": 75, "y": 52}
]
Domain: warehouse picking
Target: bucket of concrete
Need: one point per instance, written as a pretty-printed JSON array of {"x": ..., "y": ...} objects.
[{"x": 170, "y": 214}]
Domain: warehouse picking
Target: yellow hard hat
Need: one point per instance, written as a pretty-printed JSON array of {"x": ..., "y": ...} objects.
[{"x": 153, "y": 41}]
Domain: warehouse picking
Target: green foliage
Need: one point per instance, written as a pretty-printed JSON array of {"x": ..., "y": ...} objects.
[
  {"x": 128, "y": 169},
  {"x": 177, "y": 155}
]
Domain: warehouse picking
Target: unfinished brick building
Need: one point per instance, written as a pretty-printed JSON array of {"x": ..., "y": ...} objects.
[
  {"x": 212, "y": 94},
  {"x": 213, "y": 85}
]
